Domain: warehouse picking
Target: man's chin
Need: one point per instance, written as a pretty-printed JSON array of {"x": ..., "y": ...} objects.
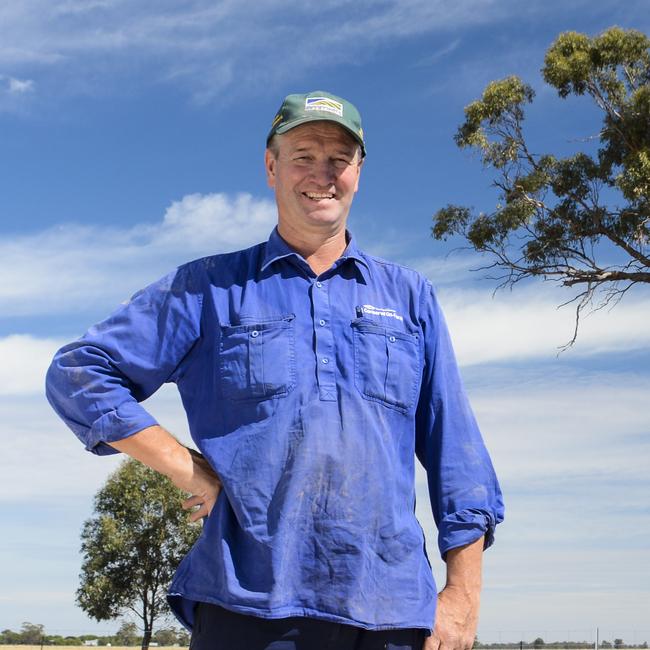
[
  {"x": 325, "y": 218},
  {"x": 323, "y": 211}
]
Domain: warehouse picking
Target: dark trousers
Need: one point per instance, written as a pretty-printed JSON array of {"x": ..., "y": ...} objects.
[{"x": 216, "y": 628}]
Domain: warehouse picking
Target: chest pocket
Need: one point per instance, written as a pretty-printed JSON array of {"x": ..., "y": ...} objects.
[
  {"x": 257, "y": 360},
  {"x": 386, "y": 364}
]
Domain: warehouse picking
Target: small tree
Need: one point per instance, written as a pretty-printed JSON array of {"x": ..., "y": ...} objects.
[
  {"x": 166, "y": 636},
  {"x": 582, "y": 220},
  {"x": 132, "y": 546},
  {"x": 31, "y": 633},
  {"x": 538, "y": 642},
  {"x": 127, "y": 634},
  {"x": 618, "y": 643},
  {"x": 183, "y": 638}
]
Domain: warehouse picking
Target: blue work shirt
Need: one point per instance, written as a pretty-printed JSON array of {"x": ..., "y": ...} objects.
[{"x": 310, "y": 396}]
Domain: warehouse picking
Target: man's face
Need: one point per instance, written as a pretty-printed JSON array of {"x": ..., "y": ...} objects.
[{"x": 315, "y": 175}]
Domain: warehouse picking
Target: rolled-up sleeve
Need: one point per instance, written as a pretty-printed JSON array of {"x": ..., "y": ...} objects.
[
  {"x": 96, "y": 383},
  {"x": 463, "y": 488}
]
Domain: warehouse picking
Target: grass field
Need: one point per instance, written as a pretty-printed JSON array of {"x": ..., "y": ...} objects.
[
  {"x": 121, "y": 647},
  {"x": 77, "y": 647}
]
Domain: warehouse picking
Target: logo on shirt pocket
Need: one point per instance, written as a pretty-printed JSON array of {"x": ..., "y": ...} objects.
[
  {"x": 386, "y": 364},
  {"x": 257, "y": 359}
]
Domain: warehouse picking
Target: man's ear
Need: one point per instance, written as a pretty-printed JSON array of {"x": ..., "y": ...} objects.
[
  {"x": 269, "y": 164},
  {"x": 359, "y": 166}
]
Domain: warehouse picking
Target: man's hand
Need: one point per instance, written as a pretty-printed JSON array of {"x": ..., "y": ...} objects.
[
  {"x": 204, "y": 486},
  {"x": 456, "y": 620},
  {"x": 187, "y": 469},
  {"x": 458, "y": 603}
]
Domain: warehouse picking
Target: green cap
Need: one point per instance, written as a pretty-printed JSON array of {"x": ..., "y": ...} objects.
[{"x": 318, "y": 105}]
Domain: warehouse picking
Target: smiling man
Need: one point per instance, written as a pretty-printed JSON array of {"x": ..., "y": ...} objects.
[{"x": 313, "y": 375}]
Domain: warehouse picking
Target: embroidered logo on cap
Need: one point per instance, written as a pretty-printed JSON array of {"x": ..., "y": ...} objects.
[{"x": 324, "y": 104}]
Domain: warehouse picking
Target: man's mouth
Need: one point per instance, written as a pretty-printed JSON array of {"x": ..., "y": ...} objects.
[{"x": 318, "y": 196}]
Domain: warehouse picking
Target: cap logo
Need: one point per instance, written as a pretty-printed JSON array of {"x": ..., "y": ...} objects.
[{"x": 324, "y": 104}]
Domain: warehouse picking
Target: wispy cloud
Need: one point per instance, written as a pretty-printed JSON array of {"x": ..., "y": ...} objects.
[
  {"x": 14, "y": 86},
  {"x": 438, "y": 54},
  {"x": 15, "y": 93},
  {"x": 212, "y": 47},
  {"x": 84, "y": 266}
]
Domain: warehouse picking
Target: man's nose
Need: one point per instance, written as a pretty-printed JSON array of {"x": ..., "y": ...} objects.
[{"x": 323, "y": 172}]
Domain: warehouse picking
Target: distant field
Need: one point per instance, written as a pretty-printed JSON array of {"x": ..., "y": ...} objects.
[
  {"x": 121, "y": 647},
  {"x": 78, "y": 647}
]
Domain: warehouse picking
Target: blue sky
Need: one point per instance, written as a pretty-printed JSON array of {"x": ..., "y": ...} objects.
[{"x": 132, "y": 138}]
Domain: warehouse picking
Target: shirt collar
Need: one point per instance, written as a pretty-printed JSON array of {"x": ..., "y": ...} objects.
[{"x": 277, "y": 249}]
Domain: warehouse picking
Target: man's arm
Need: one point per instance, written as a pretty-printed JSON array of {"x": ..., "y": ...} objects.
[
  {"x": 465, "y": 495},
  {"x": 458, "y": 603},
  {"x": 187, "y": 469},
  {"x": 97, "y": 383}
]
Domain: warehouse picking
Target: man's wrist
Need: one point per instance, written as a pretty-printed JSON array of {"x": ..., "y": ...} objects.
[
  {"x": 464, "y": 565},
  {"x": 181, "y": 467},
  {"x": 158, "y": 449}
]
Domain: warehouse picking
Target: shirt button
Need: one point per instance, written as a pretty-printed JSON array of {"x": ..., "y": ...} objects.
[
  {"x": 254, "y": 333},
  {"x": 319, "y": 284},
  {"x": 326, "y": 360},
  {"x": 391, "y": 339},
  {"x": 321, "y": 322}
]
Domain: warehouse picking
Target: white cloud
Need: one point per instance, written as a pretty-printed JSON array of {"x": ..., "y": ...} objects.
[
  {"x": 570, "y": 450},
  {"x": 47, "y": 461},
  {"x": 563, "y": 425},
  {"x": 73, "y": 267},
  {"x": 29, "y": 597},
  {"x": 93, "y": 268},
  {"x": 24, "y": 362},
  {"x": 526, "y": 323}
]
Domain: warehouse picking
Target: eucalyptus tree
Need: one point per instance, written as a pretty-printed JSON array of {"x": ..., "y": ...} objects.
[
  {"x": 582, "y": 219},
  {"x": 132, "y": 545}
]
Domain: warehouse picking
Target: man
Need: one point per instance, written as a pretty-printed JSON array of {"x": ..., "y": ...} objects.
[{"x": 311, "y": 374}]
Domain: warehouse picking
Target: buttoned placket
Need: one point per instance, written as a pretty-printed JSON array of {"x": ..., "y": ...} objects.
[{"x": 323, "y": 339}]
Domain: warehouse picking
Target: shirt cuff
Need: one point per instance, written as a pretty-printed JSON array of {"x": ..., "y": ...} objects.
[
  {"x": 464, "y": 527},
  {"x": 120, "y": 423}
]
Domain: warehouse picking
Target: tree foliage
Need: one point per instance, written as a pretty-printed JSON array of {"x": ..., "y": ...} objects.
[
  {"x": 127, "y": 634},
  {"x": 32, "y": 633},
  {"x": 132, "y": 545},
  {"x": 583, "y": 220}
]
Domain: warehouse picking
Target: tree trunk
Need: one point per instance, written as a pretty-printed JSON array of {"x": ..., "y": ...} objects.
[
  {"x": 146, "y": 638},
  {"x": 148, "y": 617}
]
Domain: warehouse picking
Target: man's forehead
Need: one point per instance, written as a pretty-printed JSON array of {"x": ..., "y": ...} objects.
[{"x": 317, "y": 132}]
